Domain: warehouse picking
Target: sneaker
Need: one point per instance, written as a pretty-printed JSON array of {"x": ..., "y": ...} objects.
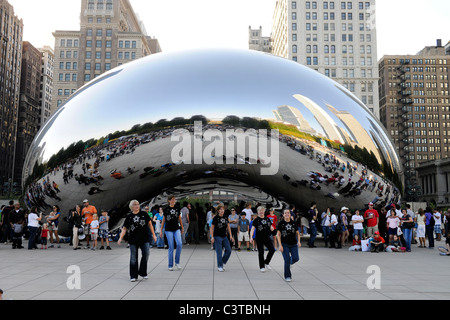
[
  {"x": 262, "y": 270},
  {"x": 288, "y": 279},
  {"x": 108, "y": 248},
  {"x": 170, "y": 269},
  {"x": 239, "y": 249},
  {"x": 268, "y": 267},
  {"x": 221, "y": 269},
  {"x": 248, "y": 249},
  {"x": 177, "y": 266},
  {"x": 145, "y": 278},
  {"x": 133, "y": 280},
  {"x": 101, "y": 248}
]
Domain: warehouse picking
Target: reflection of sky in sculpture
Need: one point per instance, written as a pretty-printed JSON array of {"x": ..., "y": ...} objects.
[{"x": 213, "y": 83}]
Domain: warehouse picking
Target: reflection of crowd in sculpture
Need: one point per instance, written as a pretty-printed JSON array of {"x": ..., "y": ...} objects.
[{"x": 352, "y": 185}]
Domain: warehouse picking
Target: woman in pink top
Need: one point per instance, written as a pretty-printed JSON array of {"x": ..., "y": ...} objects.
[{"x": 392, "y": 224}]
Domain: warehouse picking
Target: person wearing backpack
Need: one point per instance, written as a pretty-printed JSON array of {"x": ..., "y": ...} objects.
[{"x": 429, "y": 227}]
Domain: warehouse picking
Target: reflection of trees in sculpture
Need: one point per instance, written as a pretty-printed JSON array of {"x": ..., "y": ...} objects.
[{"x": 79, "y": 147}]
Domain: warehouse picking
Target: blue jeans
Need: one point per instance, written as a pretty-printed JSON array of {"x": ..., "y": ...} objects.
[
  {"x": 358, "y": 232},
  {"x": 159, "y": 241},
  {"x": 221, "y": 243},
  {"x": 140, "y": 269},
  {"x": 290, "y": 256},
  {"x": 313, "y": 234},
  {"x": 172, "y": 238},
  {"x": 407, "y": 235}
]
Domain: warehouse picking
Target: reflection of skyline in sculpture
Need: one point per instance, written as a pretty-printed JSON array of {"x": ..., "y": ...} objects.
[
  {"x": 329, "y": 126},
  {"x": 293, "y": 116},
  {"x": 358, "y": 134}
]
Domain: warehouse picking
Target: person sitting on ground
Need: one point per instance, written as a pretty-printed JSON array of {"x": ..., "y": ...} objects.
[
  {"x": 376, "y": 243},
  {"x": 116, "y": 174},
  {"x": 395, "y": 245},
  {"x": 445, "y": 251},
  {"x": 356, "y": 244}
]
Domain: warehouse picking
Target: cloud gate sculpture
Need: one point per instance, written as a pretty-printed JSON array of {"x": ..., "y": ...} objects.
[{"x": 241, "y": 121}]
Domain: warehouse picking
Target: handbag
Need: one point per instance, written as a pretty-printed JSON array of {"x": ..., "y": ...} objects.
[{"x": 399, "y": 231}]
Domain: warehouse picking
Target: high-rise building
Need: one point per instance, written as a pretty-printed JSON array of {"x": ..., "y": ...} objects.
[
  {"x": 11, "y": 32},
  {"x": 29, "y": 108},
  {"x": 110, "y": 35},
  {"x": 46, "y": 96},
  {"x": 336, "y": 38},
  {"x": 415, "y": 107},
  {"x": 256, "y": 41}
]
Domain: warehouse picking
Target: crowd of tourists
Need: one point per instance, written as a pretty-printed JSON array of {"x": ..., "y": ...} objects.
[{"x": 244, "y": 226}]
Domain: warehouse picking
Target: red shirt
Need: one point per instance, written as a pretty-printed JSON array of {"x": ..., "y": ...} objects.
[
  {"x": 372, "y": 221},
  {"x": 274, "y": 219}
]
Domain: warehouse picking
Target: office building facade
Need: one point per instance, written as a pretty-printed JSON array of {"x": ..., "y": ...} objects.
[
  {"x": 110, "y": 35},
  {"x": 29, "y": 120},
  {"x": 11, "y": 32},
  {"x": 415, "y": 107},
  {"x": 335, "y": 38}
]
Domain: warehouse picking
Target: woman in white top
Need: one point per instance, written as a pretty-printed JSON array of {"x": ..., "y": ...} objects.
[
  {"x": 33, "y": 226},
  {"x": 357, "y": 221},
  {"x": 392, "y": 223},
  {"x": 421, "y": 218}
]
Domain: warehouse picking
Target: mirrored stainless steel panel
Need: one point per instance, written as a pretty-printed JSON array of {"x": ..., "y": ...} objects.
[{"x": 123, "y": 126}]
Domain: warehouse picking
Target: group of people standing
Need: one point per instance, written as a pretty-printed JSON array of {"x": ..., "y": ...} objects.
[{"x": 139, "y": 228}]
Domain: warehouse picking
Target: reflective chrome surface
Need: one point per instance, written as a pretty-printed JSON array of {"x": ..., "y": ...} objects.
[{"x": 161, "y": 91}]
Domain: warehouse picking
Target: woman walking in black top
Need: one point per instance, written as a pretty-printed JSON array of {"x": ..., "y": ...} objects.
[
  {"x": 219, "y": 229},
  {"x": 139, "y": 224},
  {"x": 262, "y": 229},
  {"x": 289, "y": 237},
  {"x": 173, "y": 226}
]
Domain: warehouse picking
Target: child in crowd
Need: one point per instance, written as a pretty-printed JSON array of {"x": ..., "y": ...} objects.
[
  {"x": 356, "y": 244},
  {"x": 243, "y": 231},
  {"x": 157, "y": 218},
  {"x": 44, "y": 235},
  {"x": 94, "y": 230},
  {"x": 395, "y": 245},
  {"x": 103, "y": 231}
]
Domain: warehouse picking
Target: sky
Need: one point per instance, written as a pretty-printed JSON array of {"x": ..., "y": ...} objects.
[{"x": 403, "y": 26}]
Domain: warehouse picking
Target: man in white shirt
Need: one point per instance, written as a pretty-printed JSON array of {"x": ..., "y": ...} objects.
[
  {"x": 248, "y": 211},
  {"x": 437, "y": 224}
]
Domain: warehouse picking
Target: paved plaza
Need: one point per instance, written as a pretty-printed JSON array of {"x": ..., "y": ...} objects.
[{"x": 322, "y": 273}]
